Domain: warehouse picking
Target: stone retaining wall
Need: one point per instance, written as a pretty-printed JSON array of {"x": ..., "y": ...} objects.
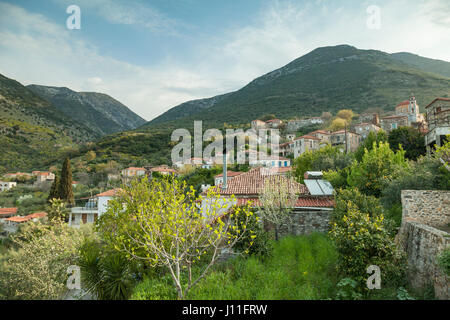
[{"x": 423, "y": 213}]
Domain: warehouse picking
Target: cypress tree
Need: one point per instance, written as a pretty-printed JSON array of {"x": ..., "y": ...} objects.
[
  {"x": 65, "y": 191},
  {"x": 54, "y": 190}
]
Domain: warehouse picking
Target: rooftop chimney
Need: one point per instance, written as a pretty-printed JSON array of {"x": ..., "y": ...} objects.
[{"x": 224, "y": 184}]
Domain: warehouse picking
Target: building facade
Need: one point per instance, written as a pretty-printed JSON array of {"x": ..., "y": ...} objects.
[
  {"x": 305, "y": 143},
  {"x": 438, "y": 119},
  {"x": 347, "y": 140}
]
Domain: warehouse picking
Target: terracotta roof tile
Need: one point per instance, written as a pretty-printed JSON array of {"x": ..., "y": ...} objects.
[
  {"x": 8, "y": 211},
  {"x": 109, "y": 193},
  {"x": 252, "y": 182},
  {"x": 307, "y": 137}
]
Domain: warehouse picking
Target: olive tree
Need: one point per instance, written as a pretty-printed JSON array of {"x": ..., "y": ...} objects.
[
  {"x": 278, "y": 196},
  {"x": 164, "y": 224}
]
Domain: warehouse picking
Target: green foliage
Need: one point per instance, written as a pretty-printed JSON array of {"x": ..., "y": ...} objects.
[
  {"x": 35, "y": 267},
  {"x": 362, "y": 239},
  {"x": 257, "y": 244},
  {"x": 368, "y": 143},
  {"x": 427, "y": 173},
  {"x": 53, "y": 193},
  {"x": 338, "y": 179},
  {"x": 57, "y": 211},
  {"x": 201, "y": 176},
  {"x": 106, "y": 274},
  {"x": 65, "y": 191},
  {"x": 300, "y": 267},
  {"x": 319, "y": 85},
  {"x": 378, "y": 167},
  {"x": 326, "y": 158},
  {"x": 347, "y": 198},
  {"x": 444, "y": 261},
  {"x": 348, "y": 290},
  {"x": 155, "y": 289},
  {"x": 410, "y": 139}
]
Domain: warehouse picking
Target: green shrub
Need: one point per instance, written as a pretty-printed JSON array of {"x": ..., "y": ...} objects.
[
  {"x": 301, "y": 267},
  {"x": 362, "y": 239},
  {"x": 444, "y": 261},
  {"x": 106, "y": 274},
  {"x": 155, "y": 289}
]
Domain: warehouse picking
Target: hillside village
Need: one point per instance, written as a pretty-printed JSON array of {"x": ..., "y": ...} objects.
[{"x": 337, "y": 147}]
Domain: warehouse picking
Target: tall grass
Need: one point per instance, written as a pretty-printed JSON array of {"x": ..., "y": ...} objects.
[{"x": 300, "y": 268}]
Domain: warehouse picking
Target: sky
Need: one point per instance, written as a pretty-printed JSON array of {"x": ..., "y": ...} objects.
[{"x": 153, "y": 55}]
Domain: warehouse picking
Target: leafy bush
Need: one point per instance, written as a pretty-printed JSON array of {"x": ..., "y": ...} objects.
[
  {"x": 108, "y": 275},
  {"x": 362, "y": 239},
  {"x": 378, "y": 167},
  {"x": 326, "y": 158},
  {"x": 425, "y": 174},
  {"x": 301, "y": 267},
  {"x": 155, "y": 289},
  {"x": 256, "y": 244},
  {"x": 444, "y": 261},
  {"x": 36, "y": 268}
]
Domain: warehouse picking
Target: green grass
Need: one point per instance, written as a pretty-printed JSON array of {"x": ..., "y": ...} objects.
[{"x": 300, "y": 268}]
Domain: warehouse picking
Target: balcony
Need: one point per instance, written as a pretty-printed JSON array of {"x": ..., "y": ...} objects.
[{"x": 87, "y": 210}]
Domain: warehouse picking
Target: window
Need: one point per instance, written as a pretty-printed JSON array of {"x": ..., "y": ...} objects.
[
  {"x": 285, "y": 164},
  {"x": 393, "y": 125}
]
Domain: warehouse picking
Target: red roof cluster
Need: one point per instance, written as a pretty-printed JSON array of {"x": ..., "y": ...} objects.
[
  {"x": 8, "y": 211},
  {"x": 109, "y": 193},
  {"x": 252, "y": 182},
  {"x": 29, "y": 217}
]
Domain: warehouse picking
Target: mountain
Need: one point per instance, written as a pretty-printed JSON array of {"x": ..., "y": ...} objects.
[
  {"x": 425, "y": 64},
  {"x": 32, "y": 130},
  {"x": 99, "y": 112},
  {"x": 326, "y": 79}
]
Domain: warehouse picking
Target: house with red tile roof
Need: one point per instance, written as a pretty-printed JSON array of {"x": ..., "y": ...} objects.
[
  {"x": 163, "y": 169},
  {"x": 93, "y": 208},
  {"x": 132, "y": 172},
  {"x": 11, "y": 224},
  {"x": 247, "y": 187},
  {"x": 7, "y": 212},
  {"x": 43, "y": 176}
]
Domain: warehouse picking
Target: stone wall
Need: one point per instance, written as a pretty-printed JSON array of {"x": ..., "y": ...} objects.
[
  {"x": 423, "y": 213},
  {"x": 428, "y": 207},
  {"x": 306, "y": 222}
]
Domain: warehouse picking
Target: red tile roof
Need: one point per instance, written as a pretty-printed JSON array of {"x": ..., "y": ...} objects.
[
  {"x": 109, "y": 193},
  {"x": 406, "y": 102},
  {"x": 135, "y": 169},
  {"x": 283, "y": 169},
  {"x": 230, "y": 174},
  {"x": 29, "y": 217},
  {"x": 37, "y": 215},
  {"x": 307, "y": 137},
  {"x": 8, "y": 211},
  {"x": 320, "y": 131},
  {"x": 252, "y": 182}
]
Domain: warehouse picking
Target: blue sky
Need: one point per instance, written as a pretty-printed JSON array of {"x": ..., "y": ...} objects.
[{"x": 153, "y": 55}]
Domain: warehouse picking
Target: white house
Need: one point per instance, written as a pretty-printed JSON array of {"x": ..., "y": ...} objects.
[
  {"x": 5, "y": 186},
  {"x": 93, "y": 209}
]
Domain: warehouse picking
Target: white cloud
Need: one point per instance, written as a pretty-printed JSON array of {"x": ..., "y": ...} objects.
[
  {"x": 130, "y": 12},
  {"x": 35, "y": 50}
]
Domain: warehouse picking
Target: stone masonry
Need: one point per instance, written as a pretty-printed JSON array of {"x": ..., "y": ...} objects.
[{"x": 423, "y": 236}]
